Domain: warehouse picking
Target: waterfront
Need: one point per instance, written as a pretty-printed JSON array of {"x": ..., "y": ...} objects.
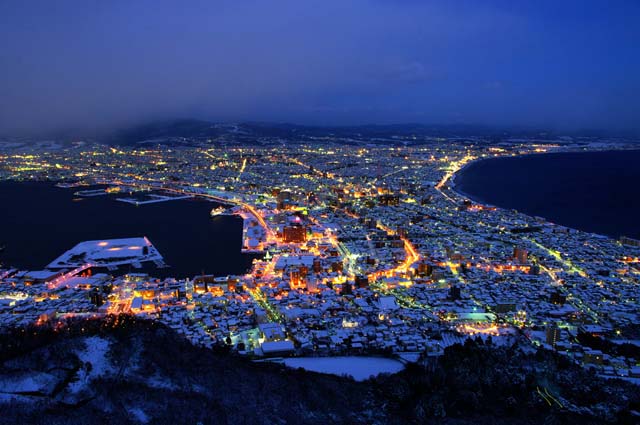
[
  {"x": 362, "y": 260},
  {"x": 41, "y": 221},
  {"x": 592, "y": 191}
]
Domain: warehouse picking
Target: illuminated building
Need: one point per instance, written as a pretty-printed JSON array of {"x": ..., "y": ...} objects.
[
  {"x": 389, "y": 200},
  {"x": 424, "y": 269},
  {"x": 294, "y": 234},
  {"x": 297, "y": 277}
]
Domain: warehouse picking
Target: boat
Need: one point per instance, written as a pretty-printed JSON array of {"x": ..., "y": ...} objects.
[{"x": 220, "y": 211}]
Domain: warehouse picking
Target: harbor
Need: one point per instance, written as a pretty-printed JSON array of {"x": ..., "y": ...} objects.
[{"x": 195, "y": 243}]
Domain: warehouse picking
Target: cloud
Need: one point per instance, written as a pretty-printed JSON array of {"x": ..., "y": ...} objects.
[{"x": 99, "y": 65}]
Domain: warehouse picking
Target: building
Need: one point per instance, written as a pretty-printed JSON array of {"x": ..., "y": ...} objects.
[
  {"x": 312, "y": 284},
  {"x": 593, "y": 357},
  {"x": 454, "y": 293},
  {"x": 361, "y": 281},
  {"x": 271, "y": 332},
  {"x": 317, "y": 265},
  {"x": 389, "y": 200},
  {"x": 558, "y": 298},
  {"x": 294, "y": 234},
  {"x": 43, "y": 276},
  {"x": 284, "y": 200},
  {"x": 534, "y": 270},
  {"x": 520, "y": 255},
  {"x": 96, "y": 298},
  {"x": 277, "y": 348},
  {"x": 424, "y": 269},
  {"x": 553, "y": 335},
  {"x": 624, "y": 240},
  {"x": 505, "y": 306},
  {"x": 297, "y": 278}
]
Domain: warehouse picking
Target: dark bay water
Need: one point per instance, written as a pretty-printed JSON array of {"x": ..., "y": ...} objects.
[
  {"x": 38, "y": 222},
  {"x": 592, "y": 191}
]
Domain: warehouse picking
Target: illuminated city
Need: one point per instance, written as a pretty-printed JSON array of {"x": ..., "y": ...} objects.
[
  {"x": 363, "y": 249},
  {"x": 363, "y": 212}
]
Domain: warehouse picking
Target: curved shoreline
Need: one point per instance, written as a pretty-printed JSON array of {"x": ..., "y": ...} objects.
[{"x": 455, "y": 185}]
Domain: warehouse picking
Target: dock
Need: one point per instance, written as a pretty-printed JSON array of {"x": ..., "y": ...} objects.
[{"x": 155, "y": 199}]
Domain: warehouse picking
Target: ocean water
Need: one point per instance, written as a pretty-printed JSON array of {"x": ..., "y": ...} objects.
[
  {"x": 38, "y": 222},
  {"x": 596, "y": 192}
]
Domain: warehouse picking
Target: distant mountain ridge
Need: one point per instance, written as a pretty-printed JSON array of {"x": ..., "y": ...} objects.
[
  {"x": 197, "y": 131},
  {"x": 163, "y": 130},
  {"x": 201, "y": 130}
]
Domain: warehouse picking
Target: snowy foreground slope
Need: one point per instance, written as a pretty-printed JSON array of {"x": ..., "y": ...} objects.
[{"x": 126, "y": 371}]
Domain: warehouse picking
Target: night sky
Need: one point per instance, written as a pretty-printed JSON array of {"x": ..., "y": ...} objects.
[{"x": 561, "y": 65}]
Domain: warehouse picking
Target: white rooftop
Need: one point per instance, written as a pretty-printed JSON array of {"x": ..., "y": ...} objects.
[{"x": 105, "y": 252}]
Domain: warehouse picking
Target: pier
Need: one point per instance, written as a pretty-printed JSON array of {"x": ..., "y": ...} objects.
[{"x": 155, "y": 199}]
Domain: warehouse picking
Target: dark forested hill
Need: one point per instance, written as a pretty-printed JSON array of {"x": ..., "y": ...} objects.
[{"x": 121, "y": 370}]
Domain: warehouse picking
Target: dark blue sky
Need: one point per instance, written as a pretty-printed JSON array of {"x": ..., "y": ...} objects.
[{"x": 555, "y": 64}]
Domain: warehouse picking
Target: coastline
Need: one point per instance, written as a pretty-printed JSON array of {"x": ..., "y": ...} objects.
[{"x": 455, "y": 184}]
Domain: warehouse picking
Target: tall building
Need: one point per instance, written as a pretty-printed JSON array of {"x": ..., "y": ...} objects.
[
  {"x": 296, "y": 279},
  {"x": 294, "y": 234},
  {"x": 553, "y": 335},
  {"x": 520, "y": 255},
  {"x": 317, "y": 265}
]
